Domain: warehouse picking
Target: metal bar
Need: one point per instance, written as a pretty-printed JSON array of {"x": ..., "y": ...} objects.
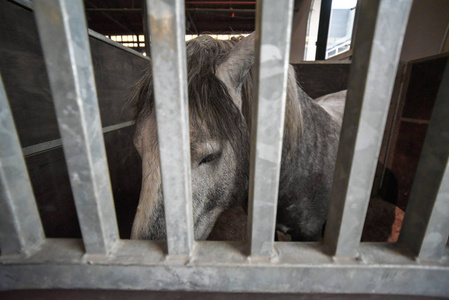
[
  {"x": 221, "y": 2},
  {"x": 50, "y": 145},
  {"x": 25, "y": 3},
  {"x": 323, "y": 29},
  {"x": 426, "y": 224},
  {"x": 41, "y": 147},
  {"x": 117, "y": 126},
  {"x": 273, "y": 33},
  {"x": 146, "y": 30},
  {"x": 20, "y": 227},
  {"x": 102, "y": 38},
  {"x": 167, "y": 28},
  {"x": 63, "y": 34},
  {"x": 139, "y": 10},
  {"x": 121, "y": 9},
  {"x": 300, "y": 268},
  {"x": 222, "y": 10},
  {"x": 381, "y": 29}
]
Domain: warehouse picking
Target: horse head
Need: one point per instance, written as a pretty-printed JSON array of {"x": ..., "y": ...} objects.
[
  {"x": 218, "y": 138},
  {"x": 220, "y": 91}
]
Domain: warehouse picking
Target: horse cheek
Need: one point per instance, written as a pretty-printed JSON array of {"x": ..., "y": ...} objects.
[
  {"x": 150, "y": 198},
  {"x": 201, "y": 185}
]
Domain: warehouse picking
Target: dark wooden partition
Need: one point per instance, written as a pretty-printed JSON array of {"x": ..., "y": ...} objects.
[
  {"x": 416, "y": 99},
  {"x": 26, "y": 83},
  {"x": 321, "y": 78}
]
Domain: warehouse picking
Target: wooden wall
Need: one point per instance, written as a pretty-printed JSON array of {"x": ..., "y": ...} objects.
[
  {"x": 415, "y": 102},
  {"x": 26, "y": 83},
  {"x": 321, "y": 78}
]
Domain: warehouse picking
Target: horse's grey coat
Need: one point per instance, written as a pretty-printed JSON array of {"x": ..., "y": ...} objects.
[
  {"x": 306, "y": 174},
  {"x": 220, "y": 81},
  {"x": 334, "y": 104}
]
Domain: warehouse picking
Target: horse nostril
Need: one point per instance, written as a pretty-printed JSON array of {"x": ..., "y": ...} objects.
[{"x": 209, "y": 158}]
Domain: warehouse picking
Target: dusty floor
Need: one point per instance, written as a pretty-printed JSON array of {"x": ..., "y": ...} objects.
[{"x": 383, "y": 223}]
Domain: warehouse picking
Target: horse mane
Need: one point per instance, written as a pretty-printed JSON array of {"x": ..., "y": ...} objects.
[
  {"x": 293, "y": 123},
  {"x": 211, "y": 107}
]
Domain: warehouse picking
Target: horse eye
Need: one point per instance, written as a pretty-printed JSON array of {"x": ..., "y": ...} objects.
[{"x": 209, "y": 158}]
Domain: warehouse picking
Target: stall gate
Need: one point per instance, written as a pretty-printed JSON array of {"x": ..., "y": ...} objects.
[{"x": 417, "y": 264}]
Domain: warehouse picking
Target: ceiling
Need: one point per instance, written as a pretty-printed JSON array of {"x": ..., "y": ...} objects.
[{"x": 124, "y": 17}]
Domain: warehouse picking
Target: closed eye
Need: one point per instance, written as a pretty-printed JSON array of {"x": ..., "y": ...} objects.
[{"x": 210, "y": 158}]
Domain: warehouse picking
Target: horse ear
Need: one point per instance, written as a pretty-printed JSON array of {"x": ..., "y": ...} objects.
[{"x": 236, "y": 65}]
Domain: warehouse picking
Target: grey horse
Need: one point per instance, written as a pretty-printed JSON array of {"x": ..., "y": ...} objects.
[{"x": 220, "y": 91}]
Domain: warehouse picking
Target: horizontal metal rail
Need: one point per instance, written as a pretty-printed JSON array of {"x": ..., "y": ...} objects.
[
  {"x": 224, "y": 267},
  {"x": 425, "y": 228},
  {"x": 273, "y": 33},
  {"x": 53, "y": 144},
  {"x": 20, "y": 227},
  {"x": 25, "y": 3},
  {"x": 63, "y": 33},
  {"x": 102, "y": 38},
  {"x": 168, "y": 55},
  {"x": 377, "y": 47}
]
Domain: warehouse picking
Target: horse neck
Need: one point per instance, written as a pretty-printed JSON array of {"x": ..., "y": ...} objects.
[{"x": 314, "y": 148}]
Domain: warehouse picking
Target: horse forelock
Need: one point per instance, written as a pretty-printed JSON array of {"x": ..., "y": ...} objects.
[{"x": 211, "y": 107}]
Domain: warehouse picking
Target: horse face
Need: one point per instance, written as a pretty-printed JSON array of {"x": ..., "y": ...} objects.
[
  {"x": 219, "y": 181},
  {"x": 218, "y": 136}
]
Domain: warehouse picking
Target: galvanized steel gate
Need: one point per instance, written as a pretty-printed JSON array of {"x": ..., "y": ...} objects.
[{"x": 418, "y": 264}]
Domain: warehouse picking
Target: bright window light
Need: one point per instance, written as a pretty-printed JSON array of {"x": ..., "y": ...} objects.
[
  {"x": 343, "y": 4},
  {"x": 135, "y": 41}
]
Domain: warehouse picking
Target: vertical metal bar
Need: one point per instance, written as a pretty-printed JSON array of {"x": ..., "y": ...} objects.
[
  {"x": 273, "y": 32},
  {"x": 20, "y": 227},
  {"x": 426, "y": 224},
  {"x": 63, "y": 34},
  {"x": 146, "y": 30},
  {"x": 167, "y": 28},
  {"x": 376, "y": 53},
  {"x": 323, "y": 29}
]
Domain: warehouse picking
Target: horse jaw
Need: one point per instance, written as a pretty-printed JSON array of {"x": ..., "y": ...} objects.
[
  {"x": 146, "y": 224},
  {"x": 211, "y": 183},
  {"x": 231, "y": 182},
  {"x": 215, "y": 186}
]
